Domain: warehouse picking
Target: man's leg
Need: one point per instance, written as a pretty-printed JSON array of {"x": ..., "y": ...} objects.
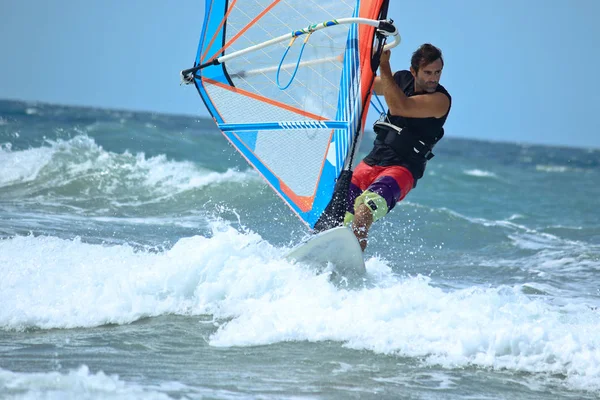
[
  {"x": 362, "y": 176},
  {"x": 363, "y": 219},
  {"x": 370, "y": 206},
  {"x": 391, "y": 186}
]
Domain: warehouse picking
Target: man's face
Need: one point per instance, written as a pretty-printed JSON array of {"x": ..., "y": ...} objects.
[{"x": 428, "y": 77}]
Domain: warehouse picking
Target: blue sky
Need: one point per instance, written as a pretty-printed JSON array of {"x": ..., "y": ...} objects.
[{"x": 518, "y": 70}]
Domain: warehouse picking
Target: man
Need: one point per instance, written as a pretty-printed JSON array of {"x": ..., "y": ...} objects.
[{"x": 418, "y": 107}]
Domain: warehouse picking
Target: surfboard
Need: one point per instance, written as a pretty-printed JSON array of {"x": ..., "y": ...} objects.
[{"x": 337, "y": 248}]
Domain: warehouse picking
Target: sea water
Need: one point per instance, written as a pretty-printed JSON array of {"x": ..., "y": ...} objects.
[{"x": 141, "y": 258}]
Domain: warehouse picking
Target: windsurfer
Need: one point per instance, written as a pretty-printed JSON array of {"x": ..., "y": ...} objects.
[{"x": 418, "y": 108}]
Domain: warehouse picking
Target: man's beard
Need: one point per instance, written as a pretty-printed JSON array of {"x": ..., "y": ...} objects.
[{"x": 425, "y": 87}]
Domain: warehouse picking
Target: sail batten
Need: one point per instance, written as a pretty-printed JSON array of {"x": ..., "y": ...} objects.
[{"x": 302, "y": 138}]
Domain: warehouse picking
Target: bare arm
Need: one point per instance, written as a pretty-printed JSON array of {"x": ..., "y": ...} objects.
[
  {"x": 419, "y": 106},
  {"x": 377, "y": 86}
]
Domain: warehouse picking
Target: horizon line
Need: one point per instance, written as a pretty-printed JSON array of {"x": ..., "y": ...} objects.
[{"x": 209, "y": 118}]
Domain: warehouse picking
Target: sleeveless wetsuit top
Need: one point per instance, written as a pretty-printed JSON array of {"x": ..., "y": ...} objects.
[{"x": 391, "y": 148}]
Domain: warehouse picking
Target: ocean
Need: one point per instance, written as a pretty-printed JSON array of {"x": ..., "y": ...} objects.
[{"x": 141, "y": 258}]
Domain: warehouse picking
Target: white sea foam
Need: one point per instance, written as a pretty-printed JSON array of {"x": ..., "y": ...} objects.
[
  {"x": 259, "y": 299},
  {"x": 80, "y": 158},
  {"x": 551, "y": 168},
  {"x": 479, "y": 173},
  {"x": 167, "y": 175},
  {"x": 82, "y": 383},
  {"x": 76, "y": 384},
  {"x": 22, "y": 166}
]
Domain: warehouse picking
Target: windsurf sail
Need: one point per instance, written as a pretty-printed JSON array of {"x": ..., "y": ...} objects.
[{"x": 289, "y": 83}]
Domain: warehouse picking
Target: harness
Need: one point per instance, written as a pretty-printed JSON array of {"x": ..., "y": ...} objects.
[{"x": 401, "y": 140}]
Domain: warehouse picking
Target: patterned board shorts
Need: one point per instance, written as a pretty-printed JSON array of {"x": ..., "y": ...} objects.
[{"x": 380, "y": 188}]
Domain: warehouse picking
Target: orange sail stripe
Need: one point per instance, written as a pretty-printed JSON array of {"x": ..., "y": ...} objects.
[
  {"x": 265, "y": 99},
  {"x": 217, "y": 32},
  {"x": 303, "y": 202},
  {"x": 240, "y": 33}
]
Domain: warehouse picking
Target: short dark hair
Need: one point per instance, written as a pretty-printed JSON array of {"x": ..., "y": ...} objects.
[{"x": 425, "y": 55}]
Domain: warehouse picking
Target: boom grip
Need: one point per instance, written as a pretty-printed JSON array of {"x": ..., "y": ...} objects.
[{"x": 387, "y": 27}]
